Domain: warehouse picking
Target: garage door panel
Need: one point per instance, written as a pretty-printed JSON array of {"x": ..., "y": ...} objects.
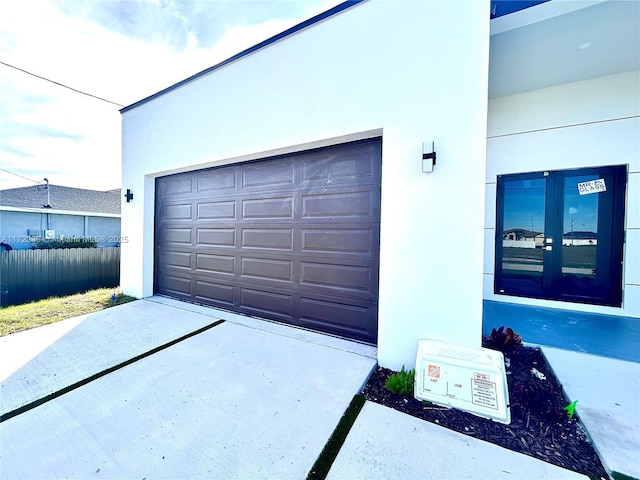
[
  {"x": 278, "y": 174},
  {"x": 267, "y": 208},
  {"x": 340, "y": 277},
  {"x": 180, "y": 260},
  {"x": 216, "y": 237},
  {"x": 267, "y": 269},
  {"x": 216, "y": 181},
  {"x": 177, "y": 186},
  {"x": 222, "y": 210},
  {"x": 345, "y": 204},
  {"x": 280, "y": 239},
  {"x": 267, "y": 303},
  {"x": 293, "y": 238},
  {"x": 182, "y": 211},
  {"x": 223, "y": 293},
  {"x": 355, "y": 321},
  {"x": 177, "y": 236},
  {"x": 337, "y": 241},
  {"x": 176, "y": 286},
  {"x": 215, "y": 264},
  {"x": 338, "y": 167},
  {"x": 356, "y": 163}
]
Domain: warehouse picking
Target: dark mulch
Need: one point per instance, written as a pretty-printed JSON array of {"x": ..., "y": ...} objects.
[{"x": 539, "y": 427}]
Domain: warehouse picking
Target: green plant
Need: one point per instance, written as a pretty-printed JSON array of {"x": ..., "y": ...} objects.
[
  {"x": 401, "y": 382},
  {"x": 66, "y": 243}
]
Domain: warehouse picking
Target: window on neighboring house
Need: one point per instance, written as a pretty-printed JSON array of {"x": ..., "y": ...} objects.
[{"x": 560, "y": 235}]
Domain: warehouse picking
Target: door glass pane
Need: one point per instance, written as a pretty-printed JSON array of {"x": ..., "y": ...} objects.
[
  {"x": 580, "y": 232},
  {"x": 523, "y": 228}
]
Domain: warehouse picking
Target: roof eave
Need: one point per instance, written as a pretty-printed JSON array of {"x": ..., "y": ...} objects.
[
  {"x": 6, "y": 208},
  {"x": 290, "y": 31}
]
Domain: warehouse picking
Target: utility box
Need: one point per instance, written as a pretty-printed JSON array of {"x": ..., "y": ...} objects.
[{"x": 470, "y": 379}]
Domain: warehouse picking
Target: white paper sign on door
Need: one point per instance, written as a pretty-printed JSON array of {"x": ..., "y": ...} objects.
[{"x": 593, "y": 186}]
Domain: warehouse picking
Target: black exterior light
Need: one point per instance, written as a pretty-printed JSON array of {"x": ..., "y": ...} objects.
[
  {"x": 428, "y": 156},
  {"x": 128, "y": 195}
]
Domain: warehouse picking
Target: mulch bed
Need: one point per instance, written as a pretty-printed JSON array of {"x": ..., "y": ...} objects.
[{"x": 540, "y": 427}]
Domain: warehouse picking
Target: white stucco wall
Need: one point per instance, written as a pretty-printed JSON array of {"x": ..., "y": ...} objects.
[
  {"x": 584, "y": 124},
  {"x": 19, "y": 226},
  {"x": 415, "y": 73}
]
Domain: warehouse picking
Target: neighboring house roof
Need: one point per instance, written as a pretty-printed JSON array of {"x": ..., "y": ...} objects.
[
  {"x": 523, "y": 232},
  {"x": 62, "y": 198}
]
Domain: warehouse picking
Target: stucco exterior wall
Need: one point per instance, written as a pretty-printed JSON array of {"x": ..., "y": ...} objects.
[
  {"x": 584, "y": 124},
  {"x": 105, "y": 230},
  {"x": 17, "y": 228},
  {"x": 405, "y": 73}
]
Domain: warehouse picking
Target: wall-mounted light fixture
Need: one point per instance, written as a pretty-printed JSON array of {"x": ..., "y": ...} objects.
[
  {"x": 128, "y": 195},
  {"x": 428, "y": 156}
]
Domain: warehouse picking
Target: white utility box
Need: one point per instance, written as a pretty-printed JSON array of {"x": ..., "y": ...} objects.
[{"x": 470, "y": 379}]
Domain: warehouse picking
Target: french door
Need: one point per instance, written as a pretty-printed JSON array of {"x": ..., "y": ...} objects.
[{"x": 560, "y": 235}]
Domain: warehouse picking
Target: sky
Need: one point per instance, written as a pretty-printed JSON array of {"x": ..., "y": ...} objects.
[
  {"x": 524, "y": 205},
  {"x": 121, "y": 51}
]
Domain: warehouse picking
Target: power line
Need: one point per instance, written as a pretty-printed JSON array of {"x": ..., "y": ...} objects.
[
  {"x": 60, "y": 84},
  {"x": 17, "y": 175}
]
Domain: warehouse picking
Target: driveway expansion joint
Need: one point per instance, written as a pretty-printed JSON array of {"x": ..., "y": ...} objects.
[{"x": 53, "y": 395}]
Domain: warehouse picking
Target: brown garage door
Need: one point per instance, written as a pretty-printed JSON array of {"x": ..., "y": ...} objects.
[{"x": 292, "y": 238}]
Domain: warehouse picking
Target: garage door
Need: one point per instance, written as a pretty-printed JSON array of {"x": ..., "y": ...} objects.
[{"x": 292, "y": 238}]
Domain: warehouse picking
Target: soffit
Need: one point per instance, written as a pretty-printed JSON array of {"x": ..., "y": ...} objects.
[{"x": 601, "y": 38}]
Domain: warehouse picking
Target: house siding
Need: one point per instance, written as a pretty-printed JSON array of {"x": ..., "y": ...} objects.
[
  {"x": 583, "y": 124},
  {"x": 17, "y": 228}
]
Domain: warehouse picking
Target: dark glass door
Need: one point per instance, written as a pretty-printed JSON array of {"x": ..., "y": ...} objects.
[{"x": 560, "y": 235}]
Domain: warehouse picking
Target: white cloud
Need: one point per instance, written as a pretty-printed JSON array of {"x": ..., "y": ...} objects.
[{"x": 73, "y": 139}]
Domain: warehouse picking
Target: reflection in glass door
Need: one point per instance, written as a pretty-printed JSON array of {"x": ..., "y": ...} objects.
[
  {"x": 580, "y": 236},
  {"x": 523, "y": 230},
  {"x": 559, "y": 235}
]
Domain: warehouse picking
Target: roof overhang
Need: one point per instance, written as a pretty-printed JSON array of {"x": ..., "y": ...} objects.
[
  {"x": 561, "y": 42},
  {"x": 265, "y": 43}
]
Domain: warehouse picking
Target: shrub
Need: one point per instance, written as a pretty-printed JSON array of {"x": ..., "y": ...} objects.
[
  {"x": 503, "y": 340},
  {"x": 401, "y": 382},
  {"x": 66, "y": 243}
]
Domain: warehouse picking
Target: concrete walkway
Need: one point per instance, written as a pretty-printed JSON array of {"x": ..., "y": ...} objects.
[
  {"x": 386, "y": 444},
  {"x": 241, "y": 400},
  {"x": 608, "y": 394}
]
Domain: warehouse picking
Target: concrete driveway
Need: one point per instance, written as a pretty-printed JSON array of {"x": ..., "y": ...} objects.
[
  {"x": 242, "y": 399},
  {"x": 163, "y": 389}
]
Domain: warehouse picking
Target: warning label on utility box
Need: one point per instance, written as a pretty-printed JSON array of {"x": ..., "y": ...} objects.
[
  {"x": 484, "y": 393},
  {"x": 471, "y": 379}
]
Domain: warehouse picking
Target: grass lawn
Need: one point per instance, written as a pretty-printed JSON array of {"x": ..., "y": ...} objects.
[{"x": 42, "y": 312}]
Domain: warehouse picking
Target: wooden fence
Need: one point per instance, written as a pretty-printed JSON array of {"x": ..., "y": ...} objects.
[{"x": 27, "y": 275}]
